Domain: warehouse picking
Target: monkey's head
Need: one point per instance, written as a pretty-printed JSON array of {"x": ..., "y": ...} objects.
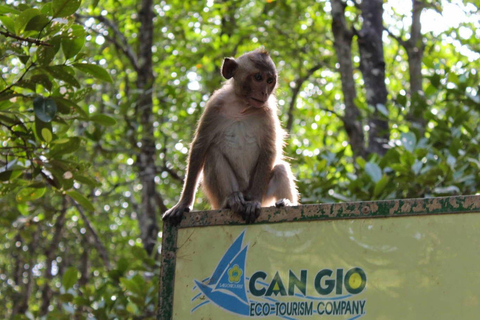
[{"x": 254, "y": 76}]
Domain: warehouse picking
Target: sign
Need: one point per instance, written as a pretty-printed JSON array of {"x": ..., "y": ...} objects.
[{"x": 419, "y": 266}]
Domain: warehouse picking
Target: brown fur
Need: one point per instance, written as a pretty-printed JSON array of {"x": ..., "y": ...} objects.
[{"x": 238, "y": 144}]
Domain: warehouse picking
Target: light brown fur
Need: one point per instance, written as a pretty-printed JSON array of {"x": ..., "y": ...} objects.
[{"x": 238, "y": 144}]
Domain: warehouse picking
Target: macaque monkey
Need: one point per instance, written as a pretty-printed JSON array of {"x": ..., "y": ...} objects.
[{"x": 238, "y": 144}]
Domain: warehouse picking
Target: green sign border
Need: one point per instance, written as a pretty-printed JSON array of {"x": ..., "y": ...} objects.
[{"x": 313, "y": 212}]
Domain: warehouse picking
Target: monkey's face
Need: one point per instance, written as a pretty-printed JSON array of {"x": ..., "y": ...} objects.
[
  {"x": 254, "y": 77},
  {"x": 258, "y": 86}
]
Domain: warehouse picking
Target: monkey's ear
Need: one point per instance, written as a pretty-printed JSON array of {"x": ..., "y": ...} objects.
[{"x": 228, "y": 67}]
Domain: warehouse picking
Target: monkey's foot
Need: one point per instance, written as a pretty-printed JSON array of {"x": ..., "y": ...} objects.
[
  {"x": 236, "y": 202},
  {"x": 283, "y": 203},
  {"x": 251, "y": 211},
  {"x": 175, "y": 214}
]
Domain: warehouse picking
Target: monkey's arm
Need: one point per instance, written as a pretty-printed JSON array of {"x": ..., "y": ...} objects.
[{"x": 196, "y": 161}]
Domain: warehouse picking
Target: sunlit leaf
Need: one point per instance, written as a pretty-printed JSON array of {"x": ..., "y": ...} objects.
[
  {"x": 103, "y": 119},
  {"x": 94, "y": 70},
  {"x": 81, "y": 199},
  {"x": 63, "y": 8}
]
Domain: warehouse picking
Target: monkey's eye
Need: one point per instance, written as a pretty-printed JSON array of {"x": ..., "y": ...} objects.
[
  {"x": 270, "y": 80},
  {"x": 258, "y": 77}
]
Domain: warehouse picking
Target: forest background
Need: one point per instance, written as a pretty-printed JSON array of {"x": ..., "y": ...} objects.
[{"x": 99, "y": 100}]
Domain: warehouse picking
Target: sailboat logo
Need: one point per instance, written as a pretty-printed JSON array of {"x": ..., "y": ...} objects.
[{"x": 226, "y": 286}]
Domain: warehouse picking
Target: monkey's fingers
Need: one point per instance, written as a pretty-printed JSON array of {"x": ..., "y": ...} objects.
[{"x": 251, "y": 211}]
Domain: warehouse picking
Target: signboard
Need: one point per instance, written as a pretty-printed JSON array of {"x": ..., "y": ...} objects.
[{"x": 337, "y": 261}]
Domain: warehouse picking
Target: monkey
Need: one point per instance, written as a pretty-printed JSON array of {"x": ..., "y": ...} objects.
[{"x": 238, "y": 144}]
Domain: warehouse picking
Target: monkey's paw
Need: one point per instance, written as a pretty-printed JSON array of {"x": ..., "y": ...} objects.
[
  {"x": 283, "y": 203},
  {"x": 236, "y": 202},
  {"x": 251, "y": 211},
  {"x": 175, "y": 214}
]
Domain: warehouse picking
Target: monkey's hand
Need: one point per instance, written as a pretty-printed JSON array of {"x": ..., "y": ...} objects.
[
  {"x": 175, "y": 214},
  {"x": 251, "y": 211},
  {"x": 283, "y": 203},
  {"x": 236, "y": 202}
]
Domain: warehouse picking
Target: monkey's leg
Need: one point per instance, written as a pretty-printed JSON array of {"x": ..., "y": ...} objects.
[
  {"x": 220, "y": 183},
  {"x": 281, "y": 188}
]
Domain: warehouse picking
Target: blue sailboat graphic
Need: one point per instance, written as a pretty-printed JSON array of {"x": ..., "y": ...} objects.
[{"x": 226, "y": 287}]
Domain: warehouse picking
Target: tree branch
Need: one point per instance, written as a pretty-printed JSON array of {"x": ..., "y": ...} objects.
[
  {"x": 29, "y": 40},
  {"x": 102, "y": 251}
]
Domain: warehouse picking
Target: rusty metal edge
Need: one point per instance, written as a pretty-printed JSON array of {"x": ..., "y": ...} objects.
[
  {"x": 167, "y": 272},
  {"x": 330, "y": 211},
  {"x": 347, "y": 210}
]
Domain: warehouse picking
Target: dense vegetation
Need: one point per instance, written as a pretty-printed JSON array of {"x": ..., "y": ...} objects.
[{"x": 99, "y": 100}]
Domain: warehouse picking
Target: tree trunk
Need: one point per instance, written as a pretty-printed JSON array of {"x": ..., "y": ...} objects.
[
  {"x": 147, "y": 217},
  {"x": 343, "y": 47},
  {"x": 372, "y": 66},
  {"x": 415, "y": 49}
]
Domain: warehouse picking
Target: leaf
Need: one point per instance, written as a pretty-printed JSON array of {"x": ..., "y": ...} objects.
[
  {"x": 380, "y": 185},
  {"x": 73, "y": 40},
  {"x": 94, "y": 70},
  {"x": 409, "y": 141},
  {"x": 373, "y": 171},
  {"x": 45, "y": 54},
  {"x": 24, "y": 18},
  {"x": 70, "y": 277},
  {"x": 30, "y": 194},
  {"x": 47, "y": 135},
  {"x": 45, "y": 109},
  {"x": 103, "y": 119},
  {"x": 39, "y": 126},
  {"x": 65, "y": 148},
  {"x": 8, "y": 23},
  {"x": 64, "y": 8},
  {"x": 63, "y": 73},
  {"x": 382, "y": 109},
  {"x": 43, "y": 80},
  {"x": 37, "y": 23},
  {"x": 7, "y": 9},
  {"x": 80, "y": 199}
]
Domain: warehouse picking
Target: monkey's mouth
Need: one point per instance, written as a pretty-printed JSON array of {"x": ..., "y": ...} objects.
[{"x": 257, "y": 103}]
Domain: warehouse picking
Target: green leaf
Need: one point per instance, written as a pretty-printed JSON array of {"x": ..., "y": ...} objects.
[
  {"x": 373, "y": 171},
  {"x": 45, "y": 109},
  {"x": 37, "y": 23},
  {"x": 70, "y": 277},
  {"x": 45, "y": 54},
  {"x": 43, "y": 80},
  {"x": 39, "y": 126},
  {"x": 63, "y": 73},
  {"x": 103, "y": 119},
  {"x": 380, "y": 185},
  {"x": 408, "y": 140},
  {"x": 8, "y": 23},
  {"x": 7, "y": 9},
  {"x": 30, "y": 194},
  {"x": 73, "y": 40},
  {"x": 47, "y": 135},
  {"x": 94, "y": 70},
  {"x": 64, "y": 8},
  {"x": 80, "y": 198},
  {"x": 24, "y": 18},
  {"x": 382, "y": 109},
  {"x": 65, "y": 148}
]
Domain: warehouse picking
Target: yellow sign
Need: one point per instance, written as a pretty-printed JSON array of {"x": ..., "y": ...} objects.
[{"x": 419, "y": 267}]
